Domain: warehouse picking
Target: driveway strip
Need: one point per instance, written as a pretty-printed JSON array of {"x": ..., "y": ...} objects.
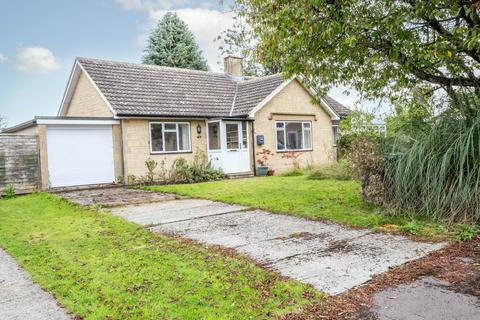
[
  {"x": 331, "y": 257},
  {"x": 20, "y": 298}
]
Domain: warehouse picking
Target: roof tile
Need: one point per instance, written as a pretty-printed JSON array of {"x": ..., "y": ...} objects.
[{"x": 147, "y": 90}]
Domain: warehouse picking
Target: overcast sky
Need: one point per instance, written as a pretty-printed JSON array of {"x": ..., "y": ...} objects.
[{"x": 39, "y": 41}]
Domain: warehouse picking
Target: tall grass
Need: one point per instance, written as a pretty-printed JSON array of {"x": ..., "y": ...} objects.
[{"x": 439, "y": 175}]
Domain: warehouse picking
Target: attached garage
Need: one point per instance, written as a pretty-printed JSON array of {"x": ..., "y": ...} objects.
[
  {"x": 80, "y": 155},
  {"x": 76, "y": 151}
]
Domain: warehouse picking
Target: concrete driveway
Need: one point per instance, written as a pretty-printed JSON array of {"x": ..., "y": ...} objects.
[{"x": 328, "y": 256}]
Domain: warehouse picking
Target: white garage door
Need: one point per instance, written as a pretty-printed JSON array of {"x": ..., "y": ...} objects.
[{"x": 80, "y": 155}]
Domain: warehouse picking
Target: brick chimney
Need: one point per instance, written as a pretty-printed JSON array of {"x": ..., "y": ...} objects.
[{"x": 233, "y": 66}]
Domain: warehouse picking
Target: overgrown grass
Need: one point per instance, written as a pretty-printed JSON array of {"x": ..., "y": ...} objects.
[
  {"x": 102, "y": 267},
  {"x": 293, "y": 173},
  {"x": 334, "y": 200},
  {"x": 336, "y": 171}
]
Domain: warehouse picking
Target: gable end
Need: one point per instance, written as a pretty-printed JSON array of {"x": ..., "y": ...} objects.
[
  {"x": 311, "y": 92},
  {"x": 83, "y": 98}
]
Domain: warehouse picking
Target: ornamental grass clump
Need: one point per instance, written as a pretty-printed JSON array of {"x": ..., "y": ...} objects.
[
  {"x": 439, "y": 175},
  {"x": 434, "y": 175}
]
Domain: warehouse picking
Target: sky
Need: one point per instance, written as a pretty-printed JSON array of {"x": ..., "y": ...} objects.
[{"x": 39, "y": 41}]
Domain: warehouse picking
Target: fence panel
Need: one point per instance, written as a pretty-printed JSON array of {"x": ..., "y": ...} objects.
[{"x": 19, "y": 162}]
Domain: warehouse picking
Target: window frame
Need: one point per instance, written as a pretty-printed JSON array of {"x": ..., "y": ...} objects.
[
  {"x": 177, "y": 131},
  {"x": 336, "y": 137},
  {"x": 284, "y": 129},
  {"x": 219, "y": 123}
]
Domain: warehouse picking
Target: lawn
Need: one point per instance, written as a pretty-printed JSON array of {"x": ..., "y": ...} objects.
[
  {"x": 333, "y": 200},
  {"x": 102, "y": 267}
]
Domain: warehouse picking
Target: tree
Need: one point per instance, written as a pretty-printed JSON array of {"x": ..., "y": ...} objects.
[
  {"x": 3, "y": 123},
  {"x": 172, "y": 44},
  {"x": 241, "y": 40},
  {"x": 410, "y": 120},
  {"x": 384, "y": 48}
]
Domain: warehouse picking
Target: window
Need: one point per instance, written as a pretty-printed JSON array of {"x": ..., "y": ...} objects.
[
  {"x": 335, "y": 135},
  {"x": 294, "y": 135},
  {"x": 168, "y": 137},
  {"x": 232, "y": 135},
  {"x": 244, "y": 135},
  {"x": 214, "y": 136}
]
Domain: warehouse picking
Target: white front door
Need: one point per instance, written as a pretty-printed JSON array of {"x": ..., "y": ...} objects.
[{"x": 228, "y": 146}]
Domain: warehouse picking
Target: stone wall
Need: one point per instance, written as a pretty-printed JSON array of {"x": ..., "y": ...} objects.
[{"x": 19, "y": 162}]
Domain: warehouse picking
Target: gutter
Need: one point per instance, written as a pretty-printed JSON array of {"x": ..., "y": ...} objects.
[
  {"x": 150, "y": 117},
  {"x": 59, "y": 120},
  {"x": 20, "y": 126}
]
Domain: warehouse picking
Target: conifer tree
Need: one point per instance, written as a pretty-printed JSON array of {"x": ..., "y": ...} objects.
[{"x": 172, "y": 44}]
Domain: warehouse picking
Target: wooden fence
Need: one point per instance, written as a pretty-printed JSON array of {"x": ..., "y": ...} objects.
[{"x": 19, "y": 162}]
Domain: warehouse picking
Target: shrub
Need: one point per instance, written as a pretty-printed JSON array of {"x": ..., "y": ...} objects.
[
  {"x": 336, "y": 171},
  {"x": 200, "y": 170},
  {"x": 183, "y": 172},
  {"x": 180, "y": 172},
  {"x": 367, "y": 164},
  {"x": 293, "y": 173},
  {"x": 263, "y": 157},
  {"x": 9, "y": 191},
  {"x": 151, "y": 166},
  {"x": 465, "y": 232}
]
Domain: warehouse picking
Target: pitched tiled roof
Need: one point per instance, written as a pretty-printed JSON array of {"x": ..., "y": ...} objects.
[
  {"x": 339, "y": 108},
  {"x": 251, "y": 92},
  {"x": 146, "y": 90}
]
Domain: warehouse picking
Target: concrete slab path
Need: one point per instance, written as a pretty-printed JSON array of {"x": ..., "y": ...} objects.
[
  {"x": 328, "y": 256},
  {"x": 426, "y": 298},
  {"x": 21, "y": 299}
]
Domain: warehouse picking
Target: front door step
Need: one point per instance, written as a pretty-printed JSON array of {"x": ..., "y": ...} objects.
[{"x": 240, "y": 175}]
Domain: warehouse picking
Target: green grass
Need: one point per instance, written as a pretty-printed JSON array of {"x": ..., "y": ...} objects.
[
  {"x": 333, "y": 200},
  {"x": 102, "y": 267}
]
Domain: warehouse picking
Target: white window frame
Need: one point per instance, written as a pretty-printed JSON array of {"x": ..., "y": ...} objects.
[
  {"x": 285, "y": 135},
  {"x": 219, "y": 122},
  {"x": 335, "y": 141},
  {"x": 170, "y": 130}
]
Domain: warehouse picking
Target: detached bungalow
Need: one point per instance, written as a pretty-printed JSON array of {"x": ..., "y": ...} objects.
[{"x": 115, "y": 115}]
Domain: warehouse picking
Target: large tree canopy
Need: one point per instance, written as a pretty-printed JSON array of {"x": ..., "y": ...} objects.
[
  {"x": 172, "y": 44},
  {"x": 381, "y": 47}
]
